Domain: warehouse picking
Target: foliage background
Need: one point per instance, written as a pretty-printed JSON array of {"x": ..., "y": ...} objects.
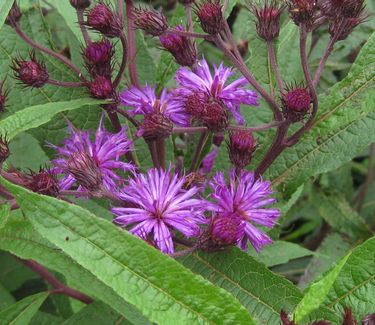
[{"x": 320, "y": 181}]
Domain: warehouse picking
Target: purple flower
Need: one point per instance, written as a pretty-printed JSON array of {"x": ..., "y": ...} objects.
[
  {"x": 202, "y": 82},
  {"x": 102, "y": 156},
  {"x": 163, "y": 110},
  {"x": 244, "y": 198},
  {"x": 209, "y": 161},
  {"x": 157, "y": 203}
]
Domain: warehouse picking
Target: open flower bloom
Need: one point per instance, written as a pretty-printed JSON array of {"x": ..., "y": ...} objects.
[
  {"x": 202, "y": 83},
  {"x": 244, "y": 199},
  {"x": 158, "y": 204},
  {"x": 158, "y": 113},
  {"x": 92, "y": 162}
]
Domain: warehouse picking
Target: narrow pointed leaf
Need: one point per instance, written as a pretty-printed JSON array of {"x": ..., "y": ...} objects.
[
  {"x": 37, "y": 115},
  {"x": 158, "y": 286},
  {"x": 22, "y": 311}
]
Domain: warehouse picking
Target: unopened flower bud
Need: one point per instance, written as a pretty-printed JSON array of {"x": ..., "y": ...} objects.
[
  {"x": 3, "y": 97},
  {"x": 227, "y": 229},
  {"x": 241, "y": 147},
  {"x": 155, "y": 126},
  {"x": 268, "y": 19},
  {"x": 86, "y": 172},
  {"x": 4, "y": 149},
  {"x": 101, "y": 88},
  {"x": 152, "y": 22},
  {"x": 80, "y": 4},
  {"x": 303, "y": 12},
  {"x": 98, "y": 57},
  {"x": 14, "y": 15},
  {"x": 45, "y": 182},
  {"x": 32, "y": 73},
  {"x": 181, "y": 47},
  {"x": 210, "y": 16},
  {"x": 296, "y": 103},
  {"x": 285, "y": 319},
  {"x": 104, "y": 20}
]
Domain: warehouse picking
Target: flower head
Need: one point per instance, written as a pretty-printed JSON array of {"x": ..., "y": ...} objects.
[
  {"x": 32, "y": 73},
  {"x": 86, "y": 162},
  {"x": 244, "y": 198},
  {"x": 157, "y": 205},
  {"x": 101, "y": 87},
  {"x": 152, "y": 22},
  {"x": 210, "y": 16},
  {"x": 181, "y": 47},
  {"x": 104, "y": 20},
  {"x": 42, "y": 182},
  {"x": 303, "y": 11},
  {"x": 212, "y": 89},
  {"x": 98, "y": 58},
  {"x": 268, "y": 19},
  {"x": 158, "y": 113},
  {"x": 296, "y": 102},
  {"x": 241, "y": 147}
]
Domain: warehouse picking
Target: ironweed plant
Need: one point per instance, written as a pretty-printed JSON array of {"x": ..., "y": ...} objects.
[{"x": 191, "y": 162}]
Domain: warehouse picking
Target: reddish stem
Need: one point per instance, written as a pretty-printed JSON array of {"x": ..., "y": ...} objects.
[
  {"x": 67, "y": 84},
  {"x": 123, "y": 61},
  {"x": 60, "y": 287},
  {"x": 81, "y": 23}
]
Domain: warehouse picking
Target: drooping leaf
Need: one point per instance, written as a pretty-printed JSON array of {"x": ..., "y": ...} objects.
[
  {"x": 262, "y": 292},
  {"x": 20, "y": 239},
  {"x": 317, "y": 292},
  {"x": 35, "y": 116},
  {"x": 22, "y": 311},
  {"x": 355, "y": 285},
  {"x": 157, "y": 285}
]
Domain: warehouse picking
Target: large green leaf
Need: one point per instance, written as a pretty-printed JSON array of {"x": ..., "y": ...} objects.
[
  {"x": 355, "y": 285},
  {"x": 6, "y": 299},
  {"x": 317, "y": 292},
  {"x": 343, "y": 128},
  {"x": 5, "y": 6},
  {"x": 262, "y": 292},
  {"x": 4, "y": 214},
  {"x": 22, "y": 311},
  {"x": 336, "y": 211},
  {"x": 162, "y": 289},
  {"x": 35, "y": 116},
  {"x": 20, "y": 239}
]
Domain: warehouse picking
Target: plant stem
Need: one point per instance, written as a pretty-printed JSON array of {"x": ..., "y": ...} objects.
[
  {"x": 67, "y": 84},
  {"x": 198, "y": 151},
  {"x": 188, "y": 34},
  {"x": 132, "y": 48},
  {"x": 154, "y": 156},
  {"x": 123, "y": 61},
  {"x": 131, "y": 119},
  {"x": 275, "y": 67},
  {"x": 59, "y": 286},
  {"x": 81, "y": 23},
  {"x": 255, "y": 128},
  {"x": 160, "y": 148},
  {"x": 43, "y": 49},
  {"x": 120, "y": 10},
  {"x": 197, "y": 129},
  {"x": 246, "y": 73},
  {"x": 184, "y": 252},
  {"x": 323, "y": 60}
]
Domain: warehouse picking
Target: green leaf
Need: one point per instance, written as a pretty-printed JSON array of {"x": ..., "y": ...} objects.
[
  {"x": 35, "y": 116},
  {"x": 337, "y": 212},
  {"x": 280, "y": 252},
  {"x": 162, "y": 289},
  {"x": 4, "y": 214},
  {"x": 355, "y": 285},
  {"x": 20, "y": 239},
  {"x": 5, "y": 7},
  {"x": 6, "y": 299},
  {"x": 317, "y": 292},
  {"x": 262, "y": 292},
  {"x": 346, "y": 115},
  {"x": 22, "y": 311}
]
